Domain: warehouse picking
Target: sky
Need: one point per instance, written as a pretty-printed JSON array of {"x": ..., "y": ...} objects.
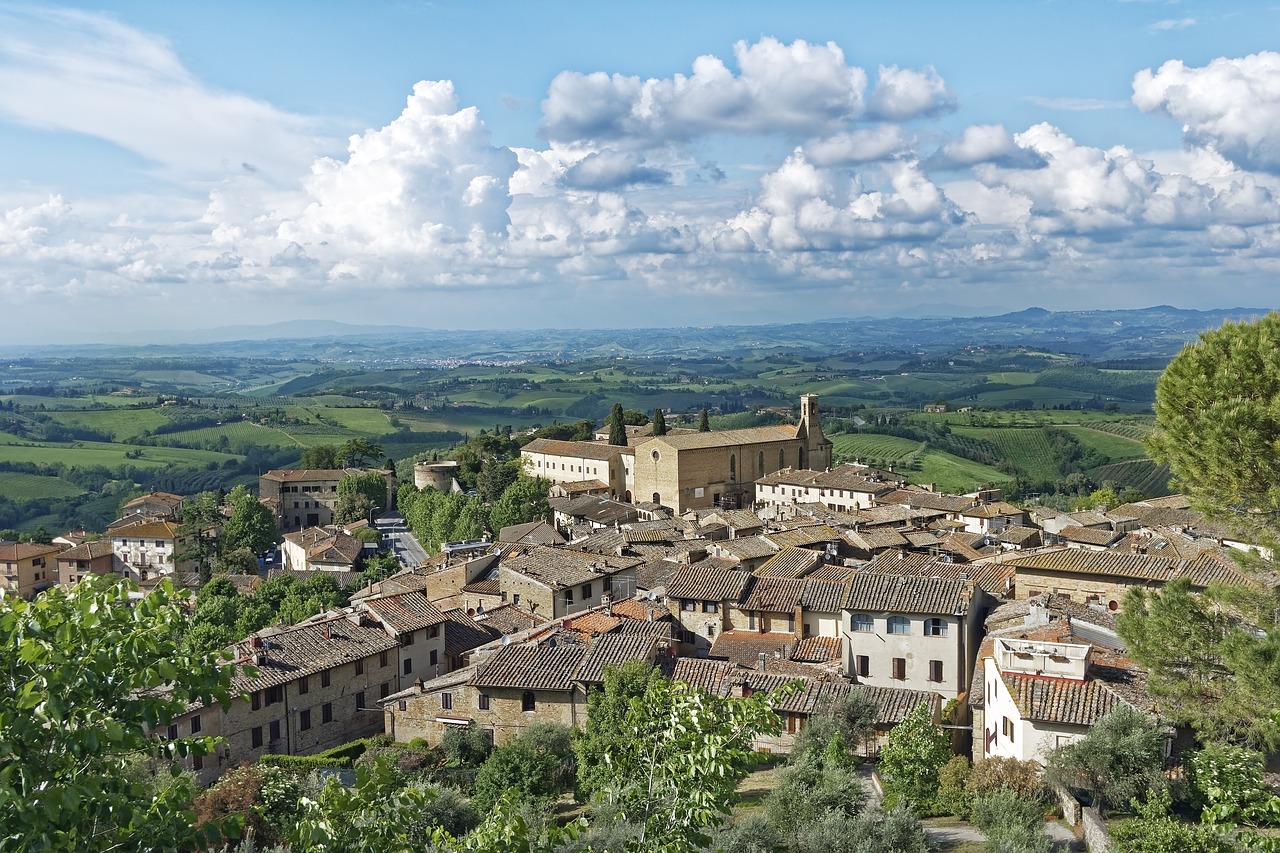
[{"x": 169, "y": 165}]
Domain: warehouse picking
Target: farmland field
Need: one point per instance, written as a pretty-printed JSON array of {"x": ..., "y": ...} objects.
[
  {"x": 1115, "y": 447},
  {"x": 17, "y": 486},
  {"x": 1141, "y": 474},
  {"x": 88, "y": 453},
  {"x": 1028, "y": 449},
  {"x": 120, "y": 424},
  {"x": 950, "y": 473}
]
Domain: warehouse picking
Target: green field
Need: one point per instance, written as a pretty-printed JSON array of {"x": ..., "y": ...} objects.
[
  {"x": 88, "y": 453},
  {"x": 120, "y": 424},
  {"x": 1141, "y": 474},
  {"x": 1115, "y": 447},
  {"x": 1027, "y": 448},
  {"x": 948, "y": 472},
  {"x": 17, "y": 486}
]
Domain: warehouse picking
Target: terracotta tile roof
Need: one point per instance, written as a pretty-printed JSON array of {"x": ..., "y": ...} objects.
[
  {"x": 907, "y": 594},
  {"x": 822, "y": 596},
  {"x": 290, "y": 653},
  {"x": 561, "y": 567},
  {"x": 596, "y": 509},
  {"x": 803, "y": 477},
  {"x": 875, "y": 539},
  {"x": 790, "y": 563},
  {"x": 601, "y": 450},
  {"x": 147, "y": 530},
  {"x": 709, "y": 676},
  {"x": 1079, "y": 561},
  {"x": 14, "y": 551},
  {"x": 921, "y": 538},
  {"x": 508, "y": 619},
  {"x": 721, "y": 438},
  {"x": 1101, "y": 536},
  {"x": 580, "y": 486},
  {"x": 817, "y": 650},
  {"x": 774, "y": 595},
  {"x": 934, "y": 500},
  {"x": 1016, "y": 534},
  {"x": 593, "y": 622},
  {"x": 1060, "y": 700},
  {"x": 809, "y": 534},
  {"x": 404, "y": 612},
  {"x": 745, "y": 647},
  {"x": 643, "y": 611},
  {"x": 655, "y": 574},
  {"x": 462, "y": 633},
  {"x": 613, "y": 650},
  {"x": 299, "y": 475},
  {"x": 704, "y": 584},
  {"x": 531, "y": 668},
  {"x": 531, "y": 533},
  {"x": 900, "y": 563},
  {"x": 831, "y": 572},
  {"x": 747, "y": 548},
  {"x": 84, "y": 551}
]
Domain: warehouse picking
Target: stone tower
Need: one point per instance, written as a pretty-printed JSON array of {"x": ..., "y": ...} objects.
[{"x": 816, "y": 450}]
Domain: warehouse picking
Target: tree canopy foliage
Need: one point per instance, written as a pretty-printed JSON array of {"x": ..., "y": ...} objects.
[
  {"x": 251, "y": 524},
  {"x": 86, "y": 675},
  {"x": 1218, "y": 421}
]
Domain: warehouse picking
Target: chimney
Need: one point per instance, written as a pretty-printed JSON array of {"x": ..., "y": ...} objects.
[{"x": 760, "y": 661}]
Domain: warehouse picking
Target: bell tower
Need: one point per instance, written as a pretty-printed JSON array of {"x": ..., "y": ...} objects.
[{"x": 817, "y": 447}]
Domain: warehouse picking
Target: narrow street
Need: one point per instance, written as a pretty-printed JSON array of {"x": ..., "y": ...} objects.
[{"x": 400, "y": 541}]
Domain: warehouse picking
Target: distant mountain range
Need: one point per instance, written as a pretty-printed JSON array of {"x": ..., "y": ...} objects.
[{"x": 1156, "y": 332}]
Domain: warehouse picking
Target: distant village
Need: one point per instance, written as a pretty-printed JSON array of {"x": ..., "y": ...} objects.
[{"x": 734, "y": 560}]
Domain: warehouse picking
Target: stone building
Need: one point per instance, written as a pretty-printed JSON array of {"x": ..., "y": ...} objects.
[
  {"x": 147, "y": 550},
  {"x": 599, "y": 465},
  {"x": 307, "y": 497},
  {"x": 27, "y": 568},
  {"x": 551, "y": 582},
  {"x": 718, "y": 469},
  {"x": 88, "y": 558}
]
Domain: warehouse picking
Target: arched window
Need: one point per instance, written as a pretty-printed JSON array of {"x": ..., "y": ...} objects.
[
  {"x": 657, "y": 498},
  {"x": 801, "y": 466},
  {"x": 733, "y": 467},
  {"x": 527, "y": 701},
  {"x": 899, "y": 625},
  {"x": 935, "y": 628},
  {"x": 760, "y": 465},
  {"x": 782, "y": 458}
]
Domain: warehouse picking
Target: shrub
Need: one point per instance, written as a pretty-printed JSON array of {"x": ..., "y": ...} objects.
[
  {"x": 909, "y": 763},
  {"x": 808, "y": 789},
  {"x": 953, "y": 787},
  {"x": 466, "y": 747},
  {"x": 1154, "y": 830},
  {"x": 755, "y": 833},
  {"x": 1225, "y": 782},
  {"x": 1022, "y": 777},
  {"x": 1121, "y": 758},
  {"x": 1012, "y": 823}
]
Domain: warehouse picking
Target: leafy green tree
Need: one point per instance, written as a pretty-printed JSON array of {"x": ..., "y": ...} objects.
[
  {"x": 1120, "y": 758},
  {"x": 356, "y": 452},
  {"x": 467, "y": 746},
  {"x": 634, "y": 417},
  {"x": 1209, "y": 665},
  {"x": 251, "y": 524},
  {"x": 704, "y": 421},
  {"x": 494, "y": 478},
  {"x": 1012, "y": 823},
  {"x": 85, "y": 676},
  {"x": 1155, "y": 830},
  {"x": 917, "y": 749},
  {"x": 851, "y": 718},
  {"x": 524, "y": 500},
  {"x": 617, "y": 428},
  {"x": 812, "y": 786},
  {"x": 607, "y": 711},
  {"x": 321, "y": 456},
  {"x": 679, "y": 760},
  {"x": 536, "y": 765},
  {"x": 659, "y": 422},
  {"x": 1218, "y": 421},
  {"x": 197, "y": 544},
  {"x": 360, "y": 496}
]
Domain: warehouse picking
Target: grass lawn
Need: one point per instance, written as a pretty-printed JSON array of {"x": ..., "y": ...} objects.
[{"x": 18, "y": 486}]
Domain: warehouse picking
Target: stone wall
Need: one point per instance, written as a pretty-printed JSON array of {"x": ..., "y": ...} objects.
[
  {"x": 1095, "y": 831},
  {"x": 1070, "y": 805}
]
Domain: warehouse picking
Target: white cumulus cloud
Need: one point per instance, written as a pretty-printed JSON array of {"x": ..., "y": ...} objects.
[
  {"x": 1231, "y": 105},
  {"x": 905, "y": 93}
]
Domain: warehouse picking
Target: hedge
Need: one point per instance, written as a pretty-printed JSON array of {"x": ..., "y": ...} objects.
[{"x": 342, "y": 757}]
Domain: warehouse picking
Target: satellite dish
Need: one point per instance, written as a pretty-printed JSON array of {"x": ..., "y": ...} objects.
[
  {"x": 551, "y": 644},
  {"x": 653, "y": 596},
  {"x": 506, "y": 641}
]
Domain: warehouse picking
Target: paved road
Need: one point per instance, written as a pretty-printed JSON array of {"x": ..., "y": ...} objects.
[{"x": 403, "y": 544}]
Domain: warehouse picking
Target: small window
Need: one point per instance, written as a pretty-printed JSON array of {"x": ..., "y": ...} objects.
[
  {"x": 434, "y": 657},
  {"x": 304, "y": 720},
  {"x": 899, "y": 625},
  {"x": 195, "y": 724},
  {"x": 408, "y": 666},
  {"x": 360, "y": 666},
  {"x": 568, "y": 596},
  {"x": 382, "y": 659},
  {"x": 446, "y": 701},
  {"x": 935, "y": 670},
  {"x": 688, "y": 605},
  {"x": 275, "y": 730},
  {"x": 862, "y": 622},
  {"x": 173, "y": 732},
  {"x": 255, "y": 736},
  {"x": 900, "y": 668},
  {"x": 256, "y": 700},
  {"x": 303, "y": 685},
  {"x": 360, "y": 701},
  {"x": 197, "y": 762},
  {"x": 527, "y": 701},
  {"x": 863, "y": 666},
  {"x": 274, "y": 694},
  {"x": 710, "y": 607},
  {"x": 482, "y": 701},
  {"x": 935, "y": 627},
  {"x": 326, "y": 712},
  {"x": 586, "y": 591},
  {"x": 324, "y": 678},
  {"x": 433, "y": 631},
  {"x": 407, "y": 639},
  {"x": 384, "y": 690}
]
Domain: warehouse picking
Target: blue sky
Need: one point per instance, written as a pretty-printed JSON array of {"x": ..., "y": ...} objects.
[{"x": 483, "y": 165}]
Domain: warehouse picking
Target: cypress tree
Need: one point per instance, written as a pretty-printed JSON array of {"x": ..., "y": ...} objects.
[
  {"x": 659, "y": 422},
  {"x": 704, "y": 421},
  {"x": 617, "y": 430}
]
